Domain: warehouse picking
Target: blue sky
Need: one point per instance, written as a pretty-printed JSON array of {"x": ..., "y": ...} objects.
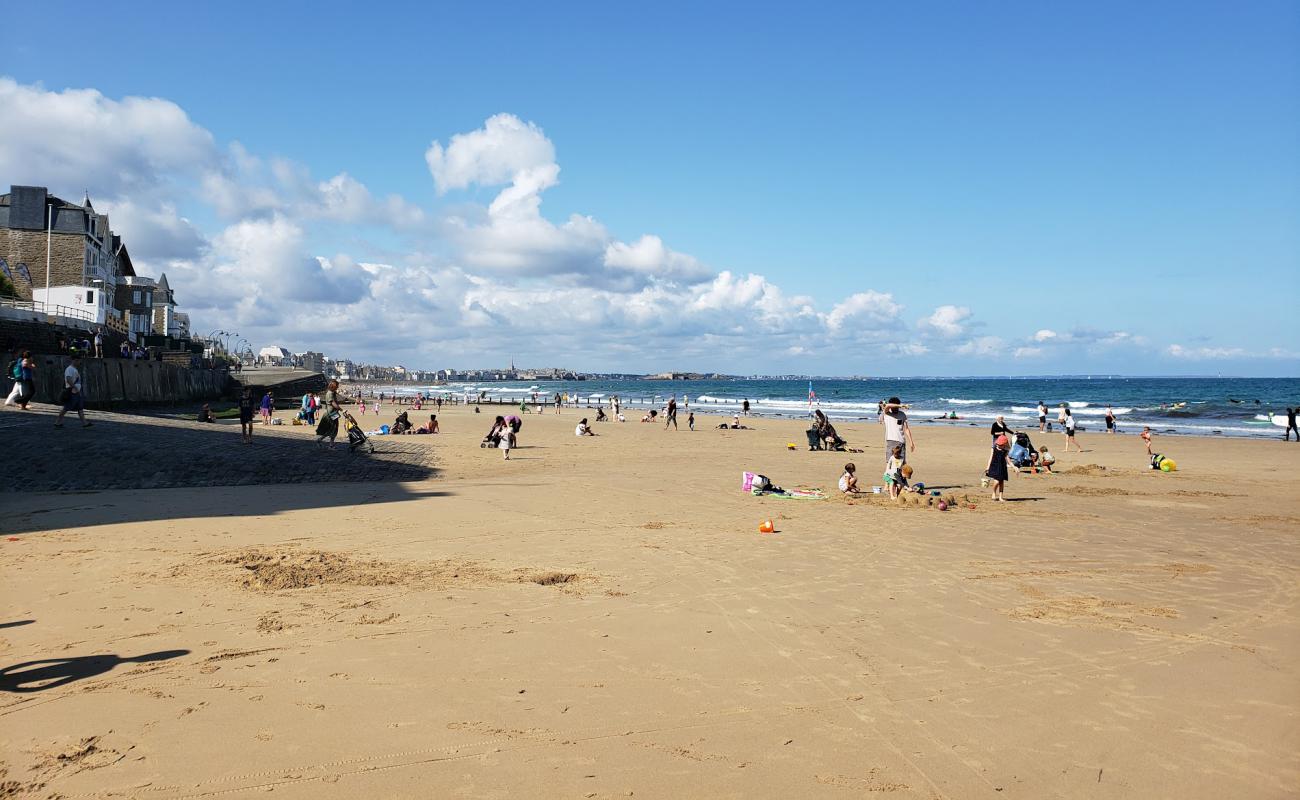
[{"x": 1125, "y": 177}]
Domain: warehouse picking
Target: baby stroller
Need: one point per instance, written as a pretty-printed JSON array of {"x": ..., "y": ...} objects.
[
  {"x": 356, "y": 437},
  {"x": 831, "y": 439},
  {"x": 1023, "y": 454},
  {"x": 493, "y": 437}
]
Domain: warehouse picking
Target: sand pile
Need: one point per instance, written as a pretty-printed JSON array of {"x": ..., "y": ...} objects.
[
  {"x": 287, "y": 568},
  {"x": 281, "y": 569},
  {"x": 1090, "y": 470}
]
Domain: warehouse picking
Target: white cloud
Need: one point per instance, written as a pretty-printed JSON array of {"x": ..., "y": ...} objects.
[
  {"x": 869, "y": 310},
  {"x": 648, "y": 256},
  {"x": 153, "y": 233},
  {"x": 1205, "y": 353},
  {"x": 495, "y": 154},
  {"x": 947, "y": 321},
  {"x": 78, "y": 139},
  {"x": 488, "y": 277}
]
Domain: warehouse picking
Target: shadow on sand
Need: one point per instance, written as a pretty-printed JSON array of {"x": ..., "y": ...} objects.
[
  {"x": 51, "y": 673},
  {"x": 116, "y": 471}
]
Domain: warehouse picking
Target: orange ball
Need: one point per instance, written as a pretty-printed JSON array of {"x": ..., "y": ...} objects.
[{"x": 766, "y": 526}]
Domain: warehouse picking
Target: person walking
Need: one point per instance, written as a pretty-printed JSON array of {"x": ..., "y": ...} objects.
[
  {"x": 1069, "y": 425},
  {"x": 246, "y": 415},
  {"x": 897, "y": 431},
  {"x": 72, "y": 398},
  {"x": 1290, "y": 423},
  {"x": 745, "y": 407},
  {"x": 671, "y": 416},
  {"x": 99, "y": 343},
  {"x": 1110, "y": 420},
  {"x": 328, "y": 428},
  {"x": 23, "y": 372},
  {"x": 997, "y": 470},
  {"x": 1042, "y": 416}
]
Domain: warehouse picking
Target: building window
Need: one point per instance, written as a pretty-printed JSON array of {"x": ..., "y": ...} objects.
[
  {"x": 135, "y": 297},
  {"x": 148, "y": 300},
  {"x": 90, "y": 297}
]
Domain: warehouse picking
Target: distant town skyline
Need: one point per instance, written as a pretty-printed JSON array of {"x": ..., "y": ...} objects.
[{"x": 870, "y": 189}]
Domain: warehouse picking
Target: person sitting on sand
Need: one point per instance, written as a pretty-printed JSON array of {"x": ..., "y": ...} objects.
[
  {"x": 205, "y": 414},
  {"x": 893, "y": 475},
  {"x": 1045, "y": 459},
  {"x": 849, "y": 481},
  {"x": 583, "y": 429},
  {"x": 429, "y": 427},
  {"x": 400, "y": 425},
  {"x": 650, "y": 416}
]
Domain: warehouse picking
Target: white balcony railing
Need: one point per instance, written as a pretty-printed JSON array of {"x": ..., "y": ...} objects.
[{"x": 48, "y": 309}]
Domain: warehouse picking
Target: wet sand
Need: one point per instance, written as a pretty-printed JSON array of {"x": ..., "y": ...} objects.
[{"x": 599, "y": 617}]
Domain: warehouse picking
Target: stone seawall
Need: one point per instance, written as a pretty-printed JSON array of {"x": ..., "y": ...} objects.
[{"x": 108, "y": 382}]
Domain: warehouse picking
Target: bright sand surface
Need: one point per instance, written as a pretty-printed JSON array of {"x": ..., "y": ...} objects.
[{"x": 1124, "y": 634}]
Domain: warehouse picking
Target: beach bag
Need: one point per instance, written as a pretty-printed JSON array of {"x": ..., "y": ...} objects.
[
  {"x": 15, "y": 370},
  {"x": 753, "y": 482}
]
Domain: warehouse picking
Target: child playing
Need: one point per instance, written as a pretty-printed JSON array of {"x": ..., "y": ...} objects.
[
  {"x": 894, "y": 472},
  {"x": 690, "y": 420},
  {"x": 507, "y": 441},
  {"x": 997, "y": 469},
  {"x": 1146, "y": 437},
  {"x": 246, "y": 415},
  {"x": 849, "y": 481},
  {"x": 1046, "y": 459}
]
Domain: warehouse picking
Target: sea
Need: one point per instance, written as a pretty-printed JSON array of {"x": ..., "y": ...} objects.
[{"x": 1240, "y": 407}]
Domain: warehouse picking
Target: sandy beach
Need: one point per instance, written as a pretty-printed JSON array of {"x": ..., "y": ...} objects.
[{"x": 600, "y": 617}]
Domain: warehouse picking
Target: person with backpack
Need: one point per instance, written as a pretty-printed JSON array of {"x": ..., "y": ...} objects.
[{"x": 23, "y": 372}]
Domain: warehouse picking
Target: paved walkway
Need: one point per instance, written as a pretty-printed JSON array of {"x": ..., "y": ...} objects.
[{"x": 122, "y": 451}]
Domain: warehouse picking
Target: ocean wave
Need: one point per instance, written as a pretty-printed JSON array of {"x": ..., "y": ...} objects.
[{"x": 958, "y": 401}]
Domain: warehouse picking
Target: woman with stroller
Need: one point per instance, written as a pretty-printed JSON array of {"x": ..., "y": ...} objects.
[
  {"x": 401, "y": 425},
  {"x": 329, "y": 421}
]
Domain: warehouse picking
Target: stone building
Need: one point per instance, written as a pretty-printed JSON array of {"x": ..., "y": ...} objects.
[
  {"x": 135, "y": 300},
  {"x": 86, "y": 261},
  {"x": 165, "y": 320}
]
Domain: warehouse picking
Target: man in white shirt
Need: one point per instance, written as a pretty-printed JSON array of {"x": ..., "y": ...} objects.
[{"x": 73, "y": 400}]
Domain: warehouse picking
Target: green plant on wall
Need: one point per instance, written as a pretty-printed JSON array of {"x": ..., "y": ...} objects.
[{"x": 7, "y": 287}]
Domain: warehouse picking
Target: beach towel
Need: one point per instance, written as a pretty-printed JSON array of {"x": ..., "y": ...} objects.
[{"x": 790, "y": 494}]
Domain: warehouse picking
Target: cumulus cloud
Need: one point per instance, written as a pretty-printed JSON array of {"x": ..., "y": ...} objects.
[
  {"x": 947, "y": 321},
  {"x": 649, "y": 257},
  {"x": 485, "y": 276},
  {"x": 156, "y": 233},
  {"x": 79, "y": 139},
  {"x": 495, "y": 154},
  {"x": 863, "y": 311}
]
